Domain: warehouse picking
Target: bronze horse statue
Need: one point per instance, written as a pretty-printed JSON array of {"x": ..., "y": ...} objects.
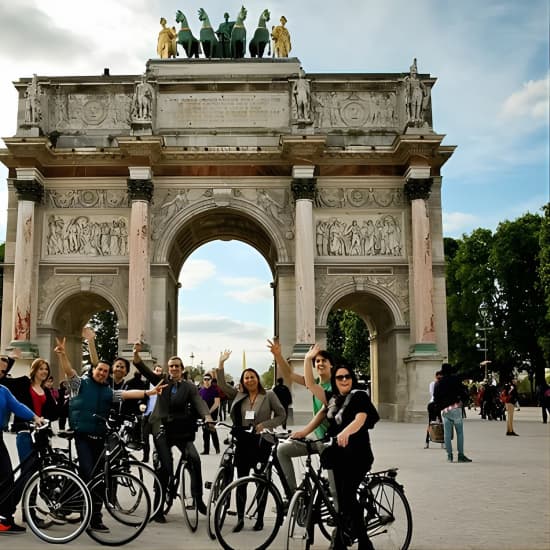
[
  {"x": 261, "y": 37},
  {"x": 185, "y": 37},
  {"x": 238, "y": 35},
  {"x": 210, "y": 44}
]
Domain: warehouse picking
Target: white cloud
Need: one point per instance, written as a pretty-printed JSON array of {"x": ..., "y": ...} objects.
[
  {"x": 531, "y": 101},
  {"x": 456, "y": 223},
  {"x": 253, "y": 295},
  {"x": 196, "y": 272}
]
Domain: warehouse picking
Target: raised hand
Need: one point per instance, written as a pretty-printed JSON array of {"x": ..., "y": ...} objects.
[
  {"x": 313, "y": 352},
  {"x": 274, "y": 346},
  {"x": 224, "y": 355},
  {"x": 88, "y": 333},
  {"x": 60, "y": 345}
]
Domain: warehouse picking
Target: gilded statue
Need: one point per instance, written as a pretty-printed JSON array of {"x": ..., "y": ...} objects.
[
  {"x": 166, "y": 45},
  {"x": 281, "y": 39}
]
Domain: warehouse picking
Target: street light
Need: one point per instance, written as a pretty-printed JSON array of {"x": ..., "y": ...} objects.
[
  {"x": 192, "y": 357},
  {"x": 484, "y": 327}
]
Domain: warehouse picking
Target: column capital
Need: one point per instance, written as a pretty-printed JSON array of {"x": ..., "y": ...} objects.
[
  {"x": 304, "y": 188},
  {"x": 29, "y": 190},
  {"x": 418, "y": 188},
  {"x": 140, "y": 189}
]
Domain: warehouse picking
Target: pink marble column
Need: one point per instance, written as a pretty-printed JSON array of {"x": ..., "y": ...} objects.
[
  {"x": 140, "y": 190},
  {"x": 303, "y": 187},
  {"x": 418, "y": 191},
  {"x": 29, "y": 191}
]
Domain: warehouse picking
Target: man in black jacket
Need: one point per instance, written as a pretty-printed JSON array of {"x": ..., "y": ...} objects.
[
  {"x": 449, "y": 395},
  {"x": 174, "y": 424}
]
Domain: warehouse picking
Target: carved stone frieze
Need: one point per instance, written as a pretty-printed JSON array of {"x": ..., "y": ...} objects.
[
  {"x": 86, "y": 236},
  {"x": 356, "y": 109},
  {"x": 372, "y": 235},
  {"x": 71, "y": 111},
  {"x": 359, "y": 198},
  {"x": 86, "y": 198}
]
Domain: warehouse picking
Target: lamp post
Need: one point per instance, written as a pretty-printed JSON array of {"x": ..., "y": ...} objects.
[
  {"x": 483, "y": 328},
  {"x": 192, "y": 357}
]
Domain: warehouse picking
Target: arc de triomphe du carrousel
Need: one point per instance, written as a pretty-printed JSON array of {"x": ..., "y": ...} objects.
[{"x": 335, "y": 179}]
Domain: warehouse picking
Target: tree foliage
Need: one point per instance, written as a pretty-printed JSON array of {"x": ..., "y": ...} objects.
[
  {"x": 506, "y": 271},
  {"x": 348, "y": 340},
  {"x": 105, "y": 325},
  {"x": 267, "y": 377}
]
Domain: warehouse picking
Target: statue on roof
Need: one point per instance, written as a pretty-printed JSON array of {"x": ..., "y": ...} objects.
[
  {"x": 281, "y": 39},
  {"x": 417, "y": 96},
  {"x": 33, "y": 113},
  {"x": 166, "y": 44},
  {"x": 224, "y": 35},
  {"x": 143, "y": 100}
]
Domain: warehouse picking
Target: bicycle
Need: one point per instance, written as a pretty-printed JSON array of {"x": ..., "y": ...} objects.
[
  {"x": 56, "y": 503},
  {"x": 180, "y": 486},
  {"x": 388, "y": 517},
  {"x": 122, "y": 432},
  {"x": 224, "y": 476},
  {"x": 123, "y": 495},
  {"x": 263, "y": 507}
]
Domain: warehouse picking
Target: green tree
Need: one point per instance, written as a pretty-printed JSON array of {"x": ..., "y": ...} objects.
[
  {"x": 267, "y": 377},
  {"x": 470, "y": 281},
  {"x": 348, "y": 340},
  {"x": 544, "y": 274},
  {"x": 105, "y": 325},
  {"x": 522, "y": 312}
]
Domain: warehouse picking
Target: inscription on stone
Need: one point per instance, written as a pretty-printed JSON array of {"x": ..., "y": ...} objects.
[{"x": 224, "y": 110}]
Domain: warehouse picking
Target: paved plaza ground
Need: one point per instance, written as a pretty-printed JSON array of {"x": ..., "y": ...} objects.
[{"x": 501, "y": 501}]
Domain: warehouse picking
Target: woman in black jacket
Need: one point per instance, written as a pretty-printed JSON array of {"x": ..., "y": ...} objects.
[{"x": 32, "y": 392}]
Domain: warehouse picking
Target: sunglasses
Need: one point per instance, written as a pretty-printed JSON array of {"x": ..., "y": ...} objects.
[
  {"x": 341, "y": 377},
  {"x": 207, "y": 379}
]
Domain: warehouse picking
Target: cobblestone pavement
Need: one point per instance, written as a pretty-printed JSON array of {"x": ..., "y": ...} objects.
[{"x": 501, "y": 501}]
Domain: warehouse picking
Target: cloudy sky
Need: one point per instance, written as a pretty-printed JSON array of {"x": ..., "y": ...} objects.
[{"x": 491, "y": 100}]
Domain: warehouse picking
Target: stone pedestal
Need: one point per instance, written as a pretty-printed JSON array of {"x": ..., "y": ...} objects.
[
  {"x": 142, "y": 127},
  {"x": 420, "y": 372}
]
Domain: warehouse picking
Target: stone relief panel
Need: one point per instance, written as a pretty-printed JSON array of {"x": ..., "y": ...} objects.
[
  {"x": 86, "y": 236},
  {"x": 326, "y": 286},
  {"x": 70, "y": 111},
  {"x": 87, "y": 198},
  {"x": 57, "y": 284},
  {"x": 370, "y": 235},
  {"x": 359, "y": 198},
  {"x": 275, "y": 203},
  {"x": 356, "y": 109}
]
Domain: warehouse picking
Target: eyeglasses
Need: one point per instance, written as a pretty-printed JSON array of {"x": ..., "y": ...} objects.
[
  {"x": 341, "y": 377},
  {"x": 207, "y": 379}
]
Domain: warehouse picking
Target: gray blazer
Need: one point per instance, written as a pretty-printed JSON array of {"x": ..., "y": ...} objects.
[{"x": 267, "y": 408}]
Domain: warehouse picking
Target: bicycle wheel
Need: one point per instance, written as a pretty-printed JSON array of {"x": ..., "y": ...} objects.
[
  {"x": 149, "y": 478},
  {"x": 388, "y": 515},
  {"x": 128, "y": 507},
  {"x": 222, "y": 479},
  {"x": 259, "y": 514},
  {"x": 299, "y": 527},
  {"x": 189, "y": 503},
  {"x": 57, "y": 505}
]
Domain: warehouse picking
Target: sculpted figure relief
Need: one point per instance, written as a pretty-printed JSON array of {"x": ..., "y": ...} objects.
[
  {"x": 166, "y": 43},
  {"x": 143, "y": 100},
  {"x": 416, "y": 96},
  {"x": 281, "y": 39},
  {"x": 33, "y": 113},
  {"x": 377, "y": 236},
  {"x": 81, "y": 236},
  {"x": 301, "y": 92}
]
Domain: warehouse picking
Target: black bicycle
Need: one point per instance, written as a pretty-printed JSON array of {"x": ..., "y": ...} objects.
[
  {"x": 56, "y": 503},
  {"x": 387, "y": 512},
  {"x": 263, "y": 505},
  {"x": 180, "y": 486},
  {"x": 224, "y": 476}
]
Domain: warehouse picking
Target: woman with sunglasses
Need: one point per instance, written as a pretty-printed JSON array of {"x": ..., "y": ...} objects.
[
  {"x": 31, "y": 391},
  {"x": 350, "y": 414}
]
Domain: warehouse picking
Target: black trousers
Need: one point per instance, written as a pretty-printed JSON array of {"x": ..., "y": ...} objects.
[{"x": 208, "y": 433}]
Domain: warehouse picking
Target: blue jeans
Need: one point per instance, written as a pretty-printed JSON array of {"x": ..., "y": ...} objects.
[
  {"x": 453, "y": 418},
  {"x": 23, "y": 443}
]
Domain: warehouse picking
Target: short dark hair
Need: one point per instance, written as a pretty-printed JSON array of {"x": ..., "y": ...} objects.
[
  {"x": 326, "y": 355},
  {"x": 280, "y": 380}
]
